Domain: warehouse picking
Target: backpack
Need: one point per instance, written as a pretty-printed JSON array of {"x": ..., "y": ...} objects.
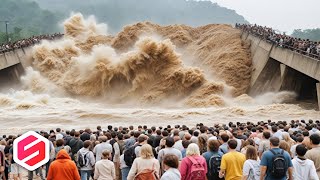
[
  {"x": 279, "y": 165},
  {"x": 82, "y": 159},
  {"x": 214, "y": 167},
  {"x": 129, "y": 155},
  {"x": 197, "y": 170},
  {"x": 149, "y": 174}
]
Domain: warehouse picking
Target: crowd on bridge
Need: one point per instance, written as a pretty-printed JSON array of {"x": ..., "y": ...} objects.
[
  {"x": 248, "y": 151},
  {"x": 303, "y": 46},
  {"x": 27, "y": 42}
]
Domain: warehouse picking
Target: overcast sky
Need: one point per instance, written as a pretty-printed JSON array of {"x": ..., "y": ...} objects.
[{"x": 284, "y": 15}]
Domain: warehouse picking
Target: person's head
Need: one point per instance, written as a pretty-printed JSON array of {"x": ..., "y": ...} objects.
[
  {"x": 225, "y": 137},
  {"x": 59, "y": 142},
  {"x": 142, "y": 139},
  {"x": 193, "y": 149},
  {"x": 266, "y": 134},
  {"x": 146, "y": 151},
  {"x": 87, "y": 144},
  {"x": 99, "y": 128},
  {"x": 299, "y": 139},
  {"x": 301, "y": 150},
  {"x": 106, "y": 154},
  {"x": 169, "y": 142},
  {"x": 251, "y": 153},
  {"x": 285, "y": 146},
  {"x": 315, "y": 139},
  {"x": 170, "y": 161},
  {"x": 232, "y": 144},
  {"x": 58, "y": 130},
  {"x": 77, "y": 134},
  {"x": 274, "y": 129},
  {"x": 213, "y": 145},
  {"x": 103, "y": 138},
  {"x": 185, "y": 144},
  {"x": 274, "y": 141}
]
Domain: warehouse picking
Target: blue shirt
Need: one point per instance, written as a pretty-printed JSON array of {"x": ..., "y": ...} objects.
[
  {"x": 223, "y": 148},
  {"x": 209, "y": 154},
  {"x": 266, "y": 160}
]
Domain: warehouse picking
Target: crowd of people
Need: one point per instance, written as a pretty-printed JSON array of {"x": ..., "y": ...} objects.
[
  {"x": 27, "y": 42},
  {"x": 303, "y": 46},
  {"x": 234, "y": 151}
]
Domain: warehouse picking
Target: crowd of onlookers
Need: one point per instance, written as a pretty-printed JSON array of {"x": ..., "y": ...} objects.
[
  {"x": 27, "y": 42},
  {"x": 303, "y": 46},
  {"x": 241, "y": 151}
]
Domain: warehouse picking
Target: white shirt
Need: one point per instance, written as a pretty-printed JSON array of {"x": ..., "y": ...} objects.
[
  {"x": 98, "y": 149},
  {"x": 104, "y": 170},
  {"x": 304, "y": 169}
]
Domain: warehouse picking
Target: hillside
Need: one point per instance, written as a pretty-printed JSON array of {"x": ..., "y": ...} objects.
[{"x": 118, "y": 13}]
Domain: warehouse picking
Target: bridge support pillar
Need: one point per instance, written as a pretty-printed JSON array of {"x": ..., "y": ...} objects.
[{"x": 318, "y": 94}]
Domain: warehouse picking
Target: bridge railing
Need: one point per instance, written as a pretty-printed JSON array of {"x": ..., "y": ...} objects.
[
  {"x": 27, "y": 42},
  {"x": 265, "y": 35}
]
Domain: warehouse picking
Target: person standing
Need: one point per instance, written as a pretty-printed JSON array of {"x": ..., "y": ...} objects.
[
  {"x": 145, "y": 165},
  {"x": 193, "y": 166},
  {"x": 104, "y": 169},
  {"x": 303, "y": 168},
  {"x": 88, "y": 160},
  {"x": 213, "y": 158},
  {"x": 251, "y": 167},
  {"x": 171, "y": 164},
  {"x": 232, "y": 162},
  {"x": 104, "y": 145},
  {"x": 63, "y": 168},
  {"x": 314, "y": 153},
  {"x": 275, "y": 163}
]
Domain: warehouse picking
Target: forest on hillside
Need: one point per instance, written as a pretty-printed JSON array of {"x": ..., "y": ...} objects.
[
  {"x": 34, "y": 17},
  {"x": 25, "y": 19},
  {"x": 312, "y": 34}
]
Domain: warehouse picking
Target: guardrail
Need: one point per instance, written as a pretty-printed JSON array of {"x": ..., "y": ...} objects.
[
  {"x": 302, "y": 52},
  {"x": 34, "y": 41}
]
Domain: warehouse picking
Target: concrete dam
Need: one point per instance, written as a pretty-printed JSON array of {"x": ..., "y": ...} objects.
[{"x": 274, "y": 69}]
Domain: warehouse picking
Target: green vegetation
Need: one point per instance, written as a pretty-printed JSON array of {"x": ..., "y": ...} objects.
[
  {"x": 312, "y": 34},
  {"x": 25, "y": 19},
  {"x": 34, "y": 17},
  {"x": 118, "y": 13}
]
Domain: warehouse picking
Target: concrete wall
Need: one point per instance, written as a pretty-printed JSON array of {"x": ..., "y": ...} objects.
[
  {"x": 276, "y": 68},
  {"x": 11, "y": 67}
]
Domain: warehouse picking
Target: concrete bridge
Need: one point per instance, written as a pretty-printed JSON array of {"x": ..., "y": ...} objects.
[
  {"x": 276, "y": 69},
  {"x": 12, "y": 65}
]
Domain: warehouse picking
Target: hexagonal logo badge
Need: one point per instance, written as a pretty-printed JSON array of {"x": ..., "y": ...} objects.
[{"x": 31, "y": 150}]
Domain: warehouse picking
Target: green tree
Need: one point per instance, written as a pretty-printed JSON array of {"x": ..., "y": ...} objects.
[{"x": 312, "y": 34}]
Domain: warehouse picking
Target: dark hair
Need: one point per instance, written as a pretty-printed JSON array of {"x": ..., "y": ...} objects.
[
  {"x": 58, "y": 130},
  {"x": 86, "y": 143},
  {"x": 120, "y": 136},
  {"x": 171, "y": 160},
  {"x": 275, "y": 141},
  {"x": 165, "y": 133},
  {"x": 299, "y": 138},
  {"x": 305, "y": 133},
  {"x": 213, "y": 145},
  {"x": 60, "y": 142},
  {"x": 169, "y": 141},
  {"x": 315, "y": 139},
  {"x": 142, "y": 138},
  {"x": 301, "y": 150},
  {"x": 232, "y": 144},
  {"x": 225, "y": 137},
  {"x": 185, "y": 143},
  {"x": 266, "y": 134}
]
